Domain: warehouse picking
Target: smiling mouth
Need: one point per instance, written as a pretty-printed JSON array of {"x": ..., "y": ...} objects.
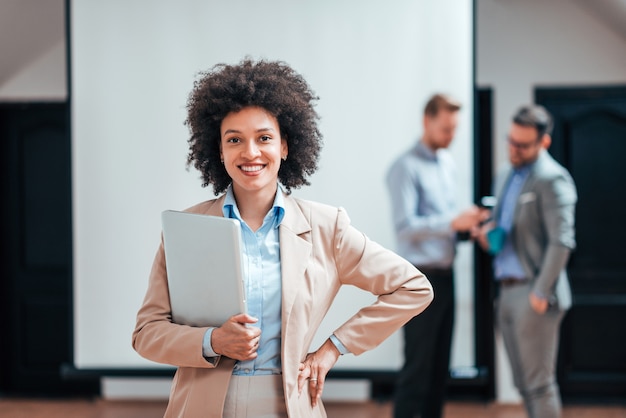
[{"x": 252, "y": 168}]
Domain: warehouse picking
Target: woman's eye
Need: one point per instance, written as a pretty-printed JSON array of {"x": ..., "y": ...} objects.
[
  {"x": 233, "y": 140},
  {"x": 265, "y": 138}
]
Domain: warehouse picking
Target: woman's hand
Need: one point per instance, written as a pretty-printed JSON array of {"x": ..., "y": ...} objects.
[
  {"x": 236, "y": 340},
  {"x": 314, "y": 369}
]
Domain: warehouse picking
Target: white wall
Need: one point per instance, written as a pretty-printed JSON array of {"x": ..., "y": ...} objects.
[
  {"x": 522, "y": 44},
  {"x": 133, "y": 65},
  {"x": 43, "y": 79},
  {"x": 32, "y": 51}
]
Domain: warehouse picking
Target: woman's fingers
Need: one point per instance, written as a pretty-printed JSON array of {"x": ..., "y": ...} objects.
[
  {"x": 303, "y": 376},
  {"x": 314, "y": 376},
  {"x": 236, "y": 339},
  {"x": 316, "y": 386},
  {"x": 315, "y": 368}
]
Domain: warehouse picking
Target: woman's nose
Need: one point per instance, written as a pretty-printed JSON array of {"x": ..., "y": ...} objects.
[{"x": 251, "y": 150}]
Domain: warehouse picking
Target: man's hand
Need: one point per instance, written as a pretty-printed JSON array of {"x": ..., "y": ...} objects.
[
  {"x": 479, "y": 234},
  {"x": 539, "y": 305},
  {"x": 468, "y": 219}
]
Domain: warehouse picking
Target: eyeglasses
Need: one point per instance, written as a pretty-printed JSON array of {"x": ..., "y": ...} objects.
[{"x": 522, "y": 146}]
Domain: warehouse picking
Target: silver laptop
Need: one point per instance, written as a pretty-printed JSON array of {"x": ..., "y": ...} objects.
[{"x": 204, "y": 267}]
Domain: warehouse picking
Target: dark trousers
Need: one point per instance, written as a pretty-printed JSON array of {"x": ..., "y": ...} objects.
[{"x": 421, "y": 385}]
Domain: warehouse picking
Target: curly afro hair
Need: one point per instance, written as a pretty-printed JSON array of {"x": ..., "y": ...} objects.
[{"x": 271, "y": 85}]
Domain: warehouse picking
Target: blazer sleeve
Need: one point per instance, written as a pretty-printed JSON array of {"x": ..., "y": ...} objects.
[
  {"x": 159, "y": 339},
  {"x": 558, "y": 200},
  {"x": 402, "y": 291}
]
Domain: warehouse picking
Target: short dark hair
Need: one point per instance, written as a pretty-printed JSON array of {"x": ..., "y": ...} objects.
[
  {"x": 535, "y": 116},
  {"x": 440, "y": 102},
  {"x": 271, "y": 85}
]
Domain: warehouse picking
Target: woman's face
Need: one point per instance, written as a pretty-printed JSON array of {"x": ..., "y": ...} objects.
[{"x": 251, "y": 149}]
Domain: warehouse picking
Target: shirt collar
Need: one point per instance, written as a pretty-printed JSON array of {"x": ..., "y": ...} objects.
[
  {"x": 424, "y": 151},
  {"x": 524, "y": 170},
  {"x": 230, "y": 209}
]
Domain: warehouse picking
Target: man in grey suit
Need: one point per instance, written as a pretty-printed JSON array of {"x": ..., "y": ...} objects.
[{"x": 531, "y": 237}]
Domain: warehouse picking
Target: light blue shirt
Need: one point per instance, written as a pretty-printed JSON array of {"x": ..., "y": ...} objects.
[
  {"x": 506, "y": 263},
  {"x": 422, "y": 186},
  {"x": 263, "y": 287}
]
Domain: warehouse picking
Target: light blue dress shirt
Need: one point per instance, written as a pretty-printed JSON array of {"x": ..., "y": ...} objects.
[
  {"x": 506, "y": 263},
  {"x": 422, "y": 186},
  {"x": 263, "y": 287}
]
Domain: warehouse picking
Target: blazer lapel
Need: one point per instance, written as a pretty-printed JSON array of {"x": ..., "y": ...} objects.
[{"x": 295, "y": 250}]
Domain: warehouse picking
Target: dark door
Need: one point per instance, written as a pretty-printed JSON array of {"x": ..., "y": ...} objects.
[
  {"x": 35, "y": 225},
  {"x": 590, "y": 140}
]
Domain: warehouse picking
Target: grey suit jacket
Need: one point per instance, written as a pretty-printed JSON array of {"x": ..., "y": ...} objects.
[{"x": 543, "y": 226}]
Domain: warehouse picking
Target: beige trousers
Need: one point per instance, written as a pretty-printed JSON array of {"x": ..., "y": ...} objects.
[{"x": 255, "y": 397}]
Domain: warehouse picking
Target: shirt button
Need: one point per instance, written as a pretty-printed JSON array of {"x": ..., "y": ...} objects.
[{"x": 246, "y": 370}]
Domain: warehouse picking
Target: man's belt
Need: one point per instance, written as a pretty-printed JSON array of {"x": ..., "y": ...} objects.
[{"x": 511, "y": 281}]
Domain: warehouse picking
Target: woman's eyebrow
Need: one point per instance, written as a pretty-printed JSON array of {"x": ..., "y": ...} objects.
[{"x": 236, "y": 131}]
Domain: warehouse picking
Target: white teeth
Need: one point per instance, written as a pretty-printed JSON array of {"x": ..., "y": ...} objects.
[{"x": 250, "y": 168}]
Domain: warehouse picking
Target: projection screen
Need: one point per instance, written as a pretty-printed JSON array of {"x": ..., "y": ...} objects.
[{"x": 133, "y": 63}]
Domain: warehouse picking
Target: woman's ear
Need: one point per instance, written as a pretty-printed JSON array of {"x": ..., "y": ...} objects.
[{"x": 284, "y": 147}]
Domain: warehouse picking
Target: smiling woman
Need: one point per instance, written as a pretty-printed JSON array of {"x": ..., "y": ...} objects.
[{"x": 297, "y": 255}]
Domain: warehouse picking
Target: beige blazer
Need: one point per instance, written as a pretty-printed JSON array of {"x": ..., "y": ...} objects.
[{"x": 320, "y": 251}]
